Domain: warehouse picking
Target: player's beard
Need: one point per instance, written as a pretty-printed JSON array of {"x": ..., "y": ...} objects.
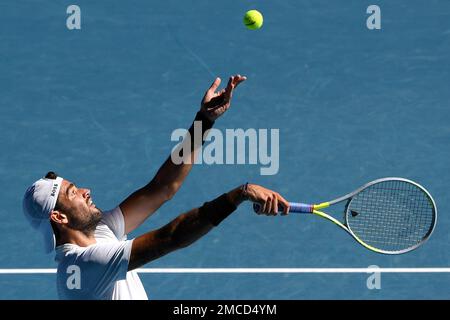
[
  {"x": 86, "y": 222},
  {"x": 94, "y": 219}
]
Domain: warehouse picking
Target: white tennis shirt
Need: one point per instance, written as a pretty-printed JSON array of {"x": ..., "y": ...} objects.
[{"x": 99, "y": 271}]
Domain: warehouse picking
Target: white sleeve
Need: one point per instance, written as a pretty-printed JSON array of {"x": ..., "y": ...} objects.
[
  {"x": 115, "y": 221},
  {"x": 102, "y": 264}
]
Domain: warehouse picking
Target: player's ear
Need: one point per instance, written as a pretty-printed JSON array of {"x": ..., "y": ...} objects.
[{"x": 58, "y": 217}]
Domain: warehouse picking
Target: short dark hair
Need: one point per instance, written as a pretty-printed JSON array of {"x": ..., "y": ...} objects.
[{"x": 51, "y": 175}]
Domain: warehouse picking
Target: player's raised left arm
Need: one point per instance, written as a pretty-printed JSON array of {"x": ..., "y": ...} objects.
[{"x": 170, "y": 176}]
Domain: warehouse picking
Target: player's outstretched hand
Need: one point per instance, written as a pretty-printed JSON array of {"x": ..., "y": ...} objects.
[
  {"x": 269, "y": 200},
  {"x": 214, "y": 104}
]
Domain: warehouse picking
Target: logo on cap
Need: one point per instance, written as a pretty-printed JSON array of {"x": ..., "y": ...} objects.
[{"x": 55, "y": 187}]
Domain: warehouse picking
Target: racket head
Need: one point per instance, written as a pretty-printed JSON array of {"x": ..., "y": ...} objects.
[{"x": 391, "y": 215}]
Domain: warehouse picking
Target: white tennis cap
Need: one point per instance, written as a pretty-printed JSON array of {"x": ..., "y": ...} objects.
[{"x": 38, "y": 202}]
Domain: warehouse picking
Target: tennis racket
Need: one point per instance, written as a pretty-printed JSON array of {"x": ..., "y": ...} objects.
[{"x": 389, "y": 215}]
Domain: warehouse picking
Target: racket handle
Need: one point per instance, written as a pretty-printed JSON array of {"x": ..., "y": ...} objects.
[{"x": 293, "y": 207}]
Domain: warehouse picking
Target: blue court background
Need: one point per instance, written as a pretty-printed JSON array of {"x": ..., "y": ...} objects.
[{"x": 98, "y": 106}]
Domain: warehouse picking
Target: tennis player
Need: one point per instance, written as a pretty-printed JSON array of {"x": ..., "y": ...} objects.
[{"x": 95, "y": 259}]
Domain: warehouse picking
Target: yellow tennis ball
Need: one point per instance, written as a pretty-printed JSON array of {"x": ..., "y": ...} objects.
[{"x": 253, "y": 19}]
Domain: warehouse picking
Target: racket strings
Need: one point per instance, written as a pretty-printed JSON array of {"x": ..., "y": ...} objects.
[
  {"x": 396, "y": 229},
  {"x": 391, "y": 215}
]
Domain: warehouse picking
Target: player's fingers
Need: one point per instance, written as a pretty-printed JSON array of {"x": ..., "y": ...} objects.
[
  {"x": 214, "y": 85},
  {"x": 229, "y": 90},
  {"x": 238, "y": 79},
  {"x": 267, "y": 206},
  {"x": 284, "y": 203},
  {"x": 260, "y": 205},
  {"x": 275, "y": 206},
  {"x": 272, "y": 209}
]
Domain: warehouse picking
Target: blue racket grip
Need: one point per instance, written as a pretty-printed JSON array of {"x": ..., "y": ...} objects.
[{"x": 293, "y": 207}]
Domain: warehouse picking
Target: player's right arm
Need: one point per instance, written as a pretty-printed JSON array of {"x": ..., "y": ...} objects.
[{"x": 192, "y": 225}]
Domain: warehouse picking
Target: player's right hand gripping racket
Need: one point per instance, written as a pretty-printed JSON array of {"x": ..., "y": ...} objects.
[{"x": 389, "y": 215}]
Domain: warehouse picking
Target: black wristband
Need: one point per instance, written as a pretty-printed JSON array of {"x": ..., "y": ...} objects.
[
  {"x": 217, "y": 210},
  {"x": 244, "y": 191},
  {"x": 206, "y": 123}
]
